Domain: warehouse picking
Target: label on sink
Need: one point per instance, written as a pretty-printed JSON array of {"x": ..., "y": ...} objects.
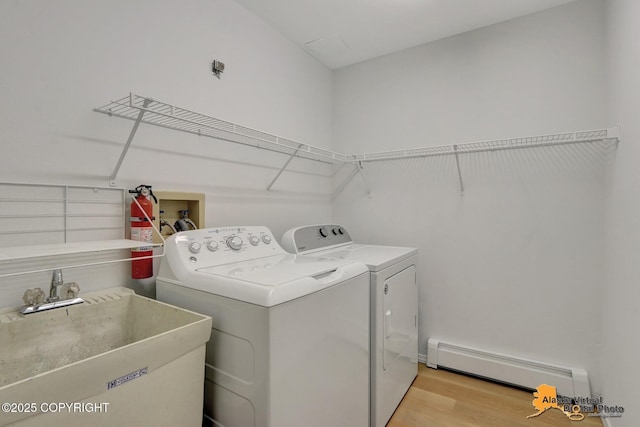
[{"x": 126, "y": 378}]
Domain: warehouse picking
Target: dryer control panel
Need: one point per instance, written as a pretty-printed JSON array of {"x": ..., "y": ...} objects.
[
  {"x": 223, "y": 245},
  {"x": 312, "y": 237}
]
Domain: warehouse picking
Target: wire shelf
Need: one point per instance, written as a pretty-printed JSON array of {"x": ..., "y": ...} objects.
[
  {"x": 161, "y": 114},
  {"x": 610, "y": 134},
  {"x": 147, "y": 110},
  {"x": 37, "y": 251},
  {"x": 49, "y": 220}
]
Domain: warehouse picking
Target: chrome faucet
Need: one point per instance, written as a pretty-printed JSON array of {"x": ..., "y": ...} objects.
[
  {"x": 56, "y": 286},
  {"x": 60, "y": 295}
]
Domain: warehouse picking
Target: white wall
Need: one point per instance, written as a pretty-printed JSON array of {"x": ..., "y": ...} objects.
[
  {"x": 621, "y": 292},
  {"x": 515, "y": 264},
  {"x": 62, "y": 59}
]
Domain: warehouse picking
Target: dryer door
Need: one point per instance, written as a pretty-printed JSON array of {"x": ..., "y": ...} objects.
[{"x": 400, "y": 317}]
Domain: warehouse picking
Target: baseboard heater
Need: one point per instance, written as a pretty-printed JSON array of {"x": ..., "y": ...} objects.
[{"x": 569, "y": 382}]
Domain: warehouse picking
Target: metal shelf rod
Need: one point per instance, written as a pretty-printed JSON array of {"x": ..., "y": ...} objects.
[
  {"x": 455, "y": 149},
  {"x": 62, "y": 230},
  {"x": 364, "y": 181},
  {"x": 125, "y": 149},
  {"x": 283, "y": 168},
  {"x": 89, "y": 264},
  {"x": 346, "y": 181},
  {"x": 61, "y": 215}
]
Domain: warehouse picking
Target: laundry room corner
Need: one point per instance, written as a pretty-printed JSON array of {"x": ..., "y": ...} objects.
[{"x": 510, "y": 242}]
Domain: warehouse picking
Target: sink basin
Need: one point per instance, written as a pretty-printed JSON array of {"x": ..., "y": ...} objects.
[{"x": 123, "y": 359}]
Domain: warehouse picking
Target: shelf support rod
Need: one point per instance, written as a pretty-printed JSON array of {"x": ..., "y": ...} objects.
[
  {"x": 346, "y": 182},
  {"x": 356, "y": 171},
  {"x": 337, "y": 170},
  {"x": 112, "y": 179},
  {"x": 284, "y": 167},
  {"x": 455, "y": 151},
  {"x": 89, "y": 264},
  {"x": 364, "y": 181}
]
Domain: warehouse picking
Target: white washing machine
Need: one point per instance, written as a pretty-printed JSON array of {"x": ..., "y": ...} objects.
[
  {"x": 394, "y": 308},
  {"x": 290, "y": 340}
]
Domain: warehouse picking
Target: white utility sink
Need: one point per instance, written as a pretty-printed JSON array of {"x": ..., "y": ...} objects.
[{"x": 118, "y": 359}]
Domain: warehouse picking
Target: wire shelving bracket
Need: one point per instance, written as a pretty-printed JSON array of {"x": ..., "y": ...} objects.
[{"x": 357, "y": 170}]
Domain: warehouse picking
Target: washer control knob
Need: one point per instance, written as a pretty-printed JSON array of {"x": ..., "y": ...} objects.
[
  {"x": 266, "y": 239},
  {"x": 335, "y": 231},
  {"x": 340, "y": 230},
  {"x": 212, "y": 245},
  {"x": 194, "y": 247},
  {"x": 324, "y": 232},
  {"x": 254, "y": 240},
  {"x": 235, "y": 243}
]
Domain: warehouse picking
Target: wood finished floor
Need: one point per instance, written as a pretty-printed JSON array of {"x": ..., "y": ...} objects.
[{"x": 439, "y": 398}]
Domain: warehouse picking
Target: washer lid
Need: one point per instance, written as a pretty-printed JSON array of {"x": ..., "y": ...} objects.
[
  {"x": 272, "y": 280},
  {"x": 255, "y": 269},
  {"x": 375, "y": 257},
  {"x": 276, "y": 270}
]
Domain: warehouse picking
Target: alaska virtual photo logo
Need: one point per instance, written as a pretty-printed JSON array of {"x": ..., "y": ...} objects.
[{"x": 546, "y": 398}]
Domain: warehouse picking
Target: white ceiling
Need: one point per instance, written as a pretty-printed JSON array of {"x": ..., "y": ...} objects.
[{"x": 344, "y": 32}]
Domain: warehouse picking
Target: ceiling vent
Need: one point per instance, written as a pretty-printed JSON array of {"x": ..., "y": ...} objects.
[{"x": 327, "y": 49}]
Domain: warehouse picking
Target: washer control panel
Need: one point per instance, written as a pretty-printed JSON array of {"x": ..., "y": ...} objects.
[
  {"x": 217, "y": 246},
  {"x": 312, "y": 237}
]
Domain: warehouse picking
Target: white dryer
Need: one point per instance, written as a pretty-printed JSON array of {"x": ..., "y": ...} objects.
[
  {"x": 290, "y": 340},
  {"x": 394, "y": 308}
]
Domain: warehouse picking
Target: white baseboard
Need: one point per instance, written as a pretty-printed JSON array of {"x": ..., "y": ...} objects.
[{"x": 569, "y": 382}]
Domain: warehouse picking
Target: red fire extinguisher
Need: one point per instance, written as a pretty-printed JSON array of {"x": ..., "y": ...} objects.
[{"x": 142, "y": 231}]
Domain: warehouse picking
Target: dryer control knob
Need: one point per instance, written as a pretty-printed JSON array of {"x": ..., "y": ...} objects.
[
  {"x": 194, "y": 247},
  {"x": 235, "y": 243},
  {"x": 324, "y": 232},
  {"x": 254, "y": 240},
  {"x": 266, "y": 239},
  {"x": 335, "y": 231},
  {"x": 212, "y": 245},
  {"x": 340, "y": 230}
]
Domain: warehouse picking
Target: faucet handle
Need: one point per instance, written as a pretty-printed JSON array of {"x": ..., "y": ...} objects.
[
  {"x": 33, "y": 296},
  {"x": 70, "y": 290}
]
